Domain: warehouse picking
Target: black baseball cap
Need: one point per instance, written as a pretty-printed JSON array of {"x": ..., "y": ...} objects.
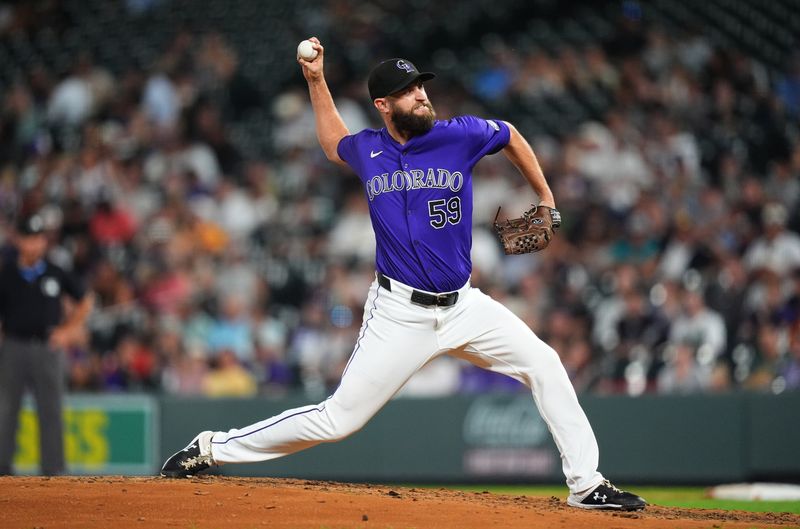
[
  {"x": 31, "y": 225},
  {"x": 392, "y": 75}
]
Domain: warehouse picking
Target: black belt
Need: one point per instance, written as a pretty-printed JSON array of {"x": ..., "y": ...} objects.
[{"x": 423, "y": 298}]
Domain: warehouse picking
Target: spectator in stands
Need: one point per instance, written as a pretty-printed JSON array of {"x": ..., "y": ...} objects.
[
  {"x": 111, "y": 224},
  {"x": 609, "y": 310},
  {"x": 681, "y": 248},
  {"x": 720, "y": 380},
  {"x": 23, "y": 117},
  {"x": 309, "y": 349},
  {"x": 637, "y": 245},
  {"x": 272, "y": 368},
  {"x": 612, "y": 161},
  {"x": 229, "y": 378},
  {"x": 700, "y": 327},
  {"x": 770, "y": 350},
  {"x": 783, "y": 185},
  {"x": 168, "y": 287},
  {"x": 681, "y": 373},
  {"x": 778, "y": 250},
  {"x": 727, "y": 294},
  {"x": 139, "y": 364},
  {"x": 187, "y": 374},
  {"x": 161, "y": 101},
  {"x": 351, "y": 236},
  {"x": 581, "y": 367},
  {"x": 641, "y": 328},
  {"x": 232, "y": 330},
  {"x": 72, "y": 101},
  {"x": 238, "y": 279},
  {"x": 494, "y": 81},
  {"x": 117, "y": 312}
]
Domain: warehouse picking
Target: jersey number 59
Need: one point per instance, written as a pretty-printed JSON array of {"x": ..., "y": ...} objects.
[{"x": 443, "y": 211}]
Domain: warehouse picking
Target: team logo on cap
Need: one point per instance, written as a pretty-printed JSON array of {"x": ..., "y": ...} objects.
[{"x": 403, "y": 65}]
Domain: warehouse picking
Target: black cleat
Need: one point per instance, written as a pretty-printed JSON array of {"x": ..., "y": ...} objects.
[
  {"x": 192, "y": 460},
  {"x": 607, "y": 496}
]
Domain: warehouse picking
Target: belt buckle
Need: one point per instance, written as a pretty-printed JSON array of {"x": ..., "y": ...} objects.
[{"x": 444, "y": 300}]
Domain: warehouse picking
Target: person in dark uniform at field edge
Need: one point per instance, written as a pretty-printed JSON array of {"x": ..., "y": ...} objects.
[{"x": 38, "y": 323}]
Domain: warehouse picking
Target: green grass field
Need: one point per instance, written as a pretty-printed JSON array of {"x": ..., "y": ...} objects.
[{"x": 691, "y": 497}]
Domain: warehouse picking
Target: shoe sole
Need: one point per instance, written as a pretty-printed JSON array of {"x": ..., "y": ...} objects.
[
  {"x": 176, "y": 475},
  {"x": 607, "y": 507}
]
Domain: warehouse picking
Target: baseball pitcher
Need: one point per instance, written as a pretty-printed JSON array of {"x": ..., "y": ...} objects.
[{"x": 416, "y": 173}]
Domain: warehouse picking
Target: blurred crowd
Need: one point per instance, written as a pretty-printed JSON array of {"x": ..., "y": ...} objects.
[{"x": 221, "y": 273}]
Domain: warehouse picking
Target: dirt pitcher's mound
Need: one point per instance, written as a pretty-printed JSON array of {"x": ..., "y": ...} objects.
[{"x": 219, "y": 502}]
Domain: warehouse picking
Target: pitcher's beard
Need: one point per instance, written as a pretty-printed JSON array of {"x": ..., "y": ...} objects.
[{"x": 410, "y": 124}]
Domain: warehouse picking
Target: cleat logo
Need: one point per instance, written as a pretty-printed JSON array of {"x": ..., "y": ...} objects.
[{"x": 598, "y": 497}]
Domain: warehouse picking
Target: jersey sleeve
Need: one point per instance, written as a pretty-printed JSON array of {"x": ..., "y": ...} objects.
[
  {"x": 347, "y": 151},
  {"x": 484, "y": 136}
]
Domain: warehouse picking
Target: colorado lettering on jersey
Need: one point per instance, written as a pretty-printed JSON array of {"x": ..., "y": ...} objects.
[{"x": 414, "y": 179}]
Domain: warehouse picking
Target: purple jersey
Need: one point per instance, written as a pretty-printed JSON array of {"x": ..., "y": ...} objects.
[{"x": 420, "y": 197}]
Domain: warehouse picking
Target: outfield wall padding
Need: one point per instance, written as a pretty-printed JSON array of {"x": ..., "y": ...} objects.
[{"x": 501, "y": 438}]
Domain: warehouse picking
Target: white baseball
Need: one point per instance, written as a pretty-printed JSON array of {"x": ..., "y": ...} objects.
[{"x": 305, "y": 50}]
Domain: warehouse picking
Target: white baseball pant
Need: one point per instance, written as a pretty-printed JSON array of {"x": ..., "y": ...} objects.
[{"x": 396, "y": 339}]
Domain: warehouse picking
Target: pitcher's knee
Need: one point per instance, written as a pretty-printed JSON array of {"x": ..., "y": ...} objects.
[
  {"x": 341, "y": 425},
  {"x": 544, "y": 364}
]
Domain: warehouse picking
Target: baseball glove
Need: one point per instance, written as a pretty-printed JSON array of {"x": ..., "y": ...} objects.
[{"x": 529, "y": 233}]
